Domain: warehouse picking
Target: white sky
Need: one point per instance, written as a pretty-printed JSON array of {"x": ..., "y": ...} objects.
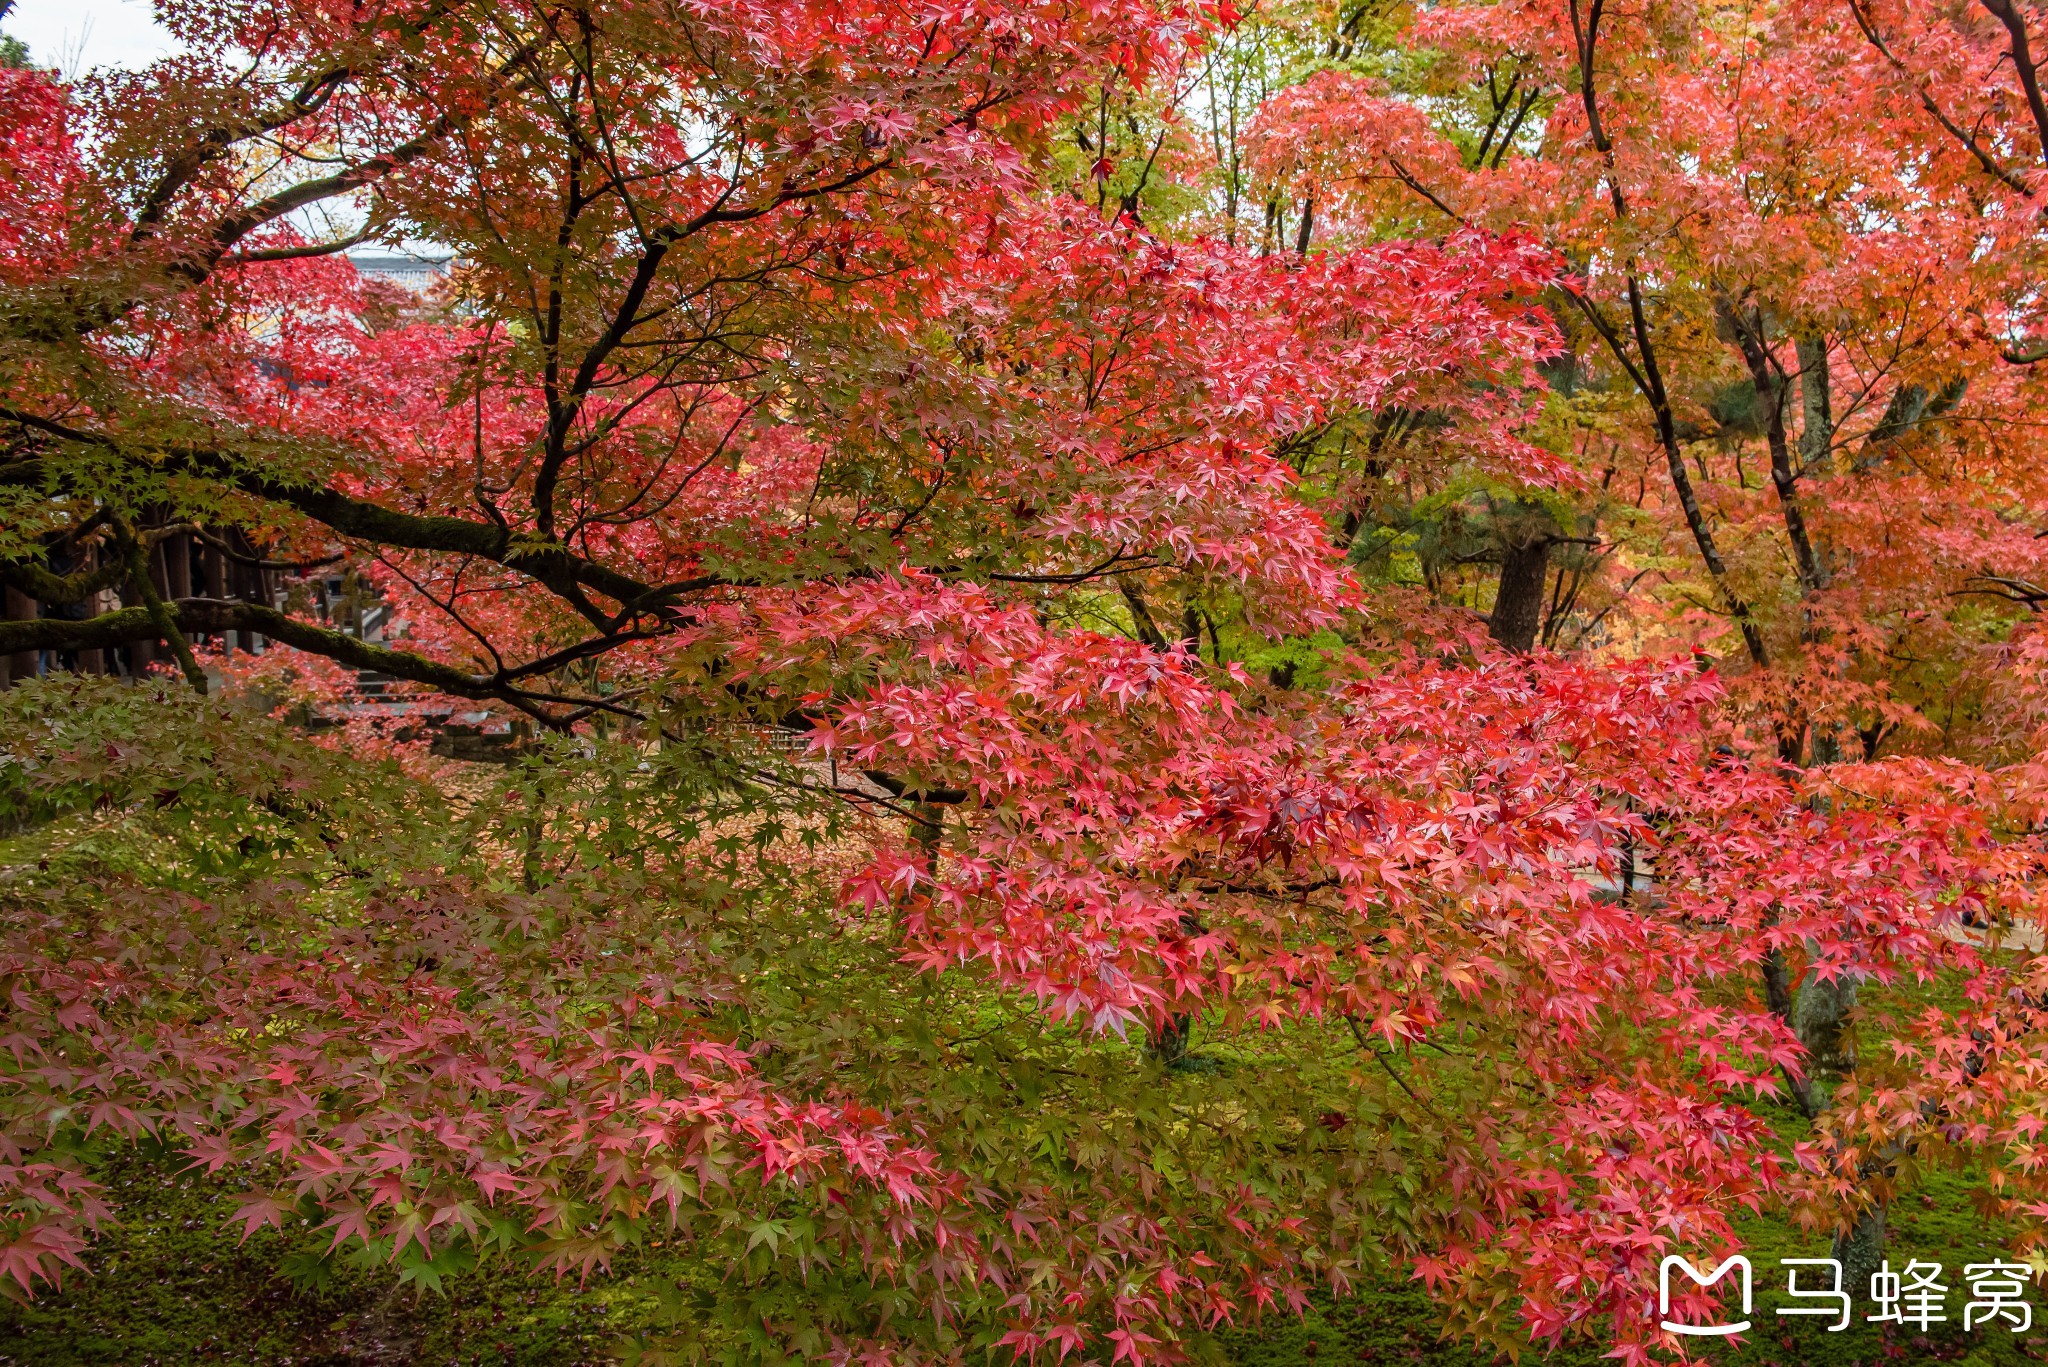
[{"x": 77, "y": 35}]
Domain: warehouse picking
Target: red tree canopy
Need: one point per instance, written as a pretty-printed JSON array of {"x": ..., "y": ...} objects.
[{"x": 990, "y": 606}]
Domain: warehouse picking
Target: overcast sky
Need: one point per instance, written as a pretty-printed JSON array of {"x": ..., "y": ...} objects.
[{"x": 79, "y": 34}]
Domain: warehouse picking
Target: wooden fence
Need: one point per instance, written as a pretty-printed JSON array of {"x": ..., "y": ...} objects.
[{"x": 182, "y": 564}]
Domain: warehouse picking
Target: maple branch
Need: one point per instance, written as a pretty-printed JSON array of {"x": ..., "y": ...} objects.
[
  {"x": 1141, "y": 616},
  {"x": 2012, "y": 590},
  {"x": 1382, "y": 1058},
  {"x": 1119, "y": 563},
  {"x": 546, "y": 561},
  {"x": 1500, "y": 101},
  {"x": 154, "y": 605},
  {"x": 1649, "y": 378},
  {"x": 1530, "y": 99},
  {"x": 254, "y": 562},
  {"x": 196, "y": 268},
  {"x": 212, "y": 615},
  {"x": 1419, "y": 188},
  {"x": 2015, "y": 23},
  {"x": 299, "y": 253},
  {"x": 1858, "y": 9},
  {"x": 1608, "y": 334},
  {"x": 91, "y": 633},
  {"x": 39, "y": 583},
  {"x": 944, "y": 797},
  {"x": 801, "y": 723},
  {"x": 1748, "y": 328},
  {"x": 214, "y": 142},
  {"x": 627, "y": 316},
  {"x": 235, "y": 226}
]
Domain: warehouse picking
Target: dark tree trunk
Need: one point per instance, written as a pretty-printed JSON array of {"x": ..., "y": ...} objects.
[
  {"x": 142, "y": 651},
  {"x": 1518, "y": 604},
  {"x": 1817, "y": 415}
]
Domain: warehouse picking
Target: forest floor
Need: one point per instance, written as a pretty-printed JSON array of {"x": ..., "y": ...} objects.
[{"x": 172, "y": 1287}]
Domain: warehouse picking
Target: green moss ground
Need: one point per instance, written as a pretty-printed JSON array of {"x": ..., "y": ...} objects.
[{"x": 171, "y": 1287}]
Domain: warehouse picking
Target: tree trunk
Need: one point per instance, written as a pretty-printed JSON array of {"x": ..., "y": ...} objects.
[
  {"x": 1817, "y": 416},
  {"x": 142, "y": 650},
  {"x": 1168, "y": 1042},
  {"x": 1910, "y": 406},
  {"x": 1748, "y": 326},
  {"x": 1779, "y": 996},
  {"x": 1860, "y": 1249},
  {"x": 1141, "y": 615},
  {"x": 1518, "y": 603}
]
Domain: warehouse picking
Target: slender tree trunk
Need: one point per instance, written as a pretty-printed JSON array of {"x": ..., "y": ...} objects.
[
  {"x": 1650, "y": 380},
  {"x": 1770, "y": 392},
  {"x": 1817, "y": 417},
  {"x": 1168, "y": 1042},
  {"x": 1141, "y": 616},
  {"x": 1860, "y": 1250},
  {"x": 1910, "y": 405},
  {"x": 1779, "y": 996}
]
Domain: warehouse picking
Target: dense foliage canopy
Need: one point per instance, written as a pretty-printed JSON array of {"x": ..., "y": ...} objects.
[{"x": 1479, "y": 557}]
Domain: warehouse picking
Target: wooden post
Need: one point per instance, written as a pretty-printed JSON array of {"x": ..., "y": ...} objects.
[
  {"x": 94, "y": 660},
  {"x": 142, "y": 651},
  {"x": 248, "y": 581},
  {"x": 177, "y": 554},
  {"x": 214, "y": 567},
  {"x": 20, "y": 607}
]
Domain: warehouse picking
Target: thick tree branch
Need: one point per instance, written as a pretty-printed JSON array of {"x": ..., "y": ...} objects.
[
  {"x": 626, "y": 317},
  {"x": 38, "y": 583},
  {"x": 299, "y": 253},
  {"x": 233, "y": 227},
  {"x": 212, "y": 615},
  {"x": 2021, "y": 52},
  {"x": 548, "y": 562}
]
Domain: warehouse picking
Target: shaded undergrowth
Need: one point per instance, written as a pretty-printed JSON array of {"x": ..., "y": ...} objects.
[{"x": 171, "y": 1286}]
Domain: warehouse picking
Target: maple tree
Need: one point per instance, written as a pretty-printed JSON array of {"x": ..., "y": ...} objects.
[
  {"x": 1031, "y": 409},
  {"x": 1807, "y": 238}
]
